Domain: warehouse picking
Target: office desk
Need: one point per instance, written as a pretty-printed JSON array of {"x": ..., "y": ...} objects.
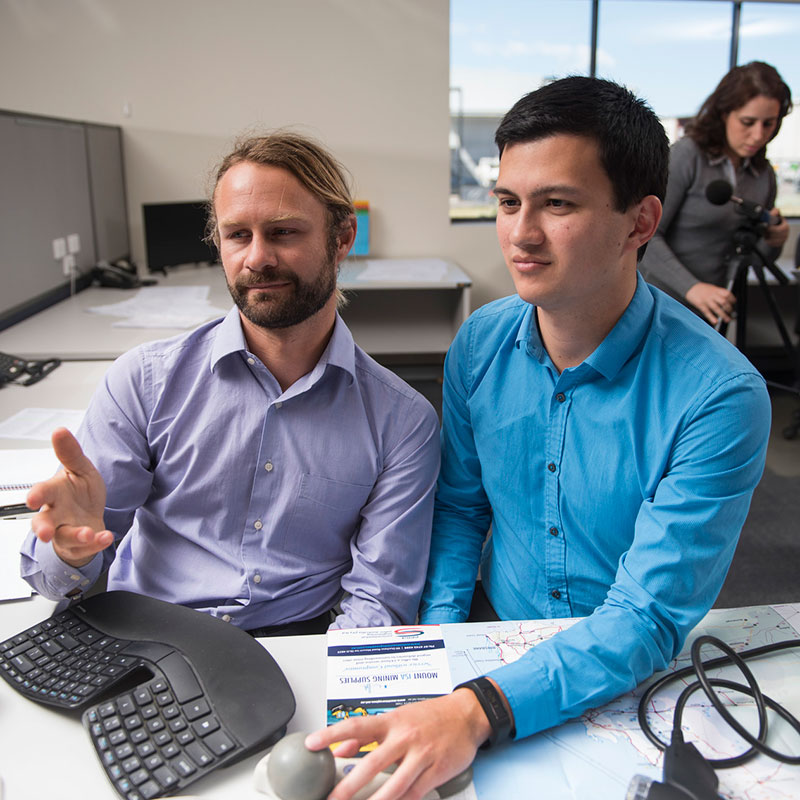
[
  {"x": 69, "y": 386},
  {"x": 47, "y": 754},
  {"x": 387, "y": 317}
]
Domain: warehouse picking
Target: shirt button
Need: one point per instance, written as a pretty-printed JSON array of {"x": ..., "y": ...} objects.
[
  {"x": 554, "y": 531},
  {"x": 560, "y": 397},
  {"x": 268, "y": 466},
  {"x": 279, "y": 404},
  {"x": 555, "y": 594},
  {"x": 258, "y": 525},
  {"x": 551, "y": 466},
  {"x": 226, "y": 617},
  {"x": 251, "y": 361},
  {"x": 256, "y": 578}
]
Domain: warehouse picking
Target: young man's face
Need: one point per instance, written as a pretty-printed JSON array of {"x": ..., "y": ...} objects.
[
  {"x": 273, "y": 242},
  {"x": 566, "y": 246}
]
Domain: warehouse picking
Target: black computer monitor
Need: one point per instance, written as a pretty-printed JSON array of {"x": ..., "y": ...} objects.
[{"x": 174, "y": 234}]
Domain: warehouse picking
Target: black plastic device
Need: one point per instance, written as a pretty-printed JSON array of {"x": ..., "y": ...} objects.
[
  {"x": 168, "y": 694},
  {"x": 14, "y": 369}
]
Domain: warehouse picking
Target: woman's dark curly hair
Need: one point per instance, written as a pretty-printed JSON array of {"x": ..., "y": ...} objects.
[{"x": 736, "y": 89}]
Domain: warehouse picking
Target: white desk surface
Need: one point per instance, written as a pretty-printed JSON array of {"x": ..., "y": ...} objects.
[
  {"x": 47, "y": 754},
  {"x": 69, "y": 386},
  {"x": 66, "y": 331}
]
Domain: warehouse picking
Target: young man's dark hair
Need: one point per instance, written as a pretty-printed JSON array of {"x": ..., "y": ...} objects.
[{"x": 633, "y": 146}]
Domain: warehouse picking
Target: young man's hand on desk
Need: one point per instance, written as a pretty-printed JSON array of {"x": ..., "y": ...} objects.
[
  {"x": 430, "y": 741},
  {"x": 70, "y": 505}
]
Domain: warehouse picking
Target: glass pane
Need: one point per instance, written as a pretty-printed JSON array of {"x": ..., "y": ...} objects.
[
  {"x": 670, "y": 53},
  {"x": 498, "y": 52},
  {"x": 770, "y": 32}
]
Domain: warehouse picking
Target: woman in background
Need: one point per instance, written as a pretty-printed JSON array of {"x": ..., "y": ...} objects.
[{"x": 727, "y": 140}]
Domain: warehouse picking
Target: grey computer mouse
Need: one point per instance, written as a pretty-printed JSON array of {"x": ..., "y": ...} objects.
[{"x": 297, "y": 773}]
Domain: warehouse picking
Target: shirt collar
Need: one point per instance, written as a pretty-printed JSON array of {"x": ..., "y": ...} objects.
[
  {"x": 624, "y": 339},
  {"x": 340, "y": 351},
  {"x": 619, "y": 345},
  {"x": 715, "y": 161}
]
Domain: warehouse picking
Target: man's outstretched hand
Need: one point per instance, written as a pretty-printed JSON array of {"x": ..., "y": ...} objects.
[{"x": 70, "y": 505}]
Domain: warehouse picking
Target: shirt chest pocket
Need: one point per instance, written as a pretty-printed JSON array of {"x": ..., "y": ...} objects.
[{"x": 324, "y": 519}]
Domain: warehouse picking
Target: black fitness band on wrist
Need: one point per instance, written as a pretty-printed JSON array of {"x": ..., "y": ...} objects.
[{"x": 492, "y": 704}]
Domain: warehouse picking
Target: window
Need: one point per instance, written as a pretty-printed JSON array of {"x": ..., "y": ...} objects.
[
  {"x": 497, "y": 54},
  {"x": 770, "y": 32},
  {"x": 671, "y": 52}
]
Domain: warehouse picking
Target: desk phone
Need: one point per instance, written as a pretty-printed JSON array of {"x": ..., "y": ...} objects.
[
  {"x": 14, "y": 369},
  {"x": 167, "y": 694}
]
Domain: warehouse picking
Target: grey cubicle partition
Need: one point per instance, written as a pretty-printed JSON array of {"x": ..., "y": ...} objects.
[{"x": 58, "y": 178}]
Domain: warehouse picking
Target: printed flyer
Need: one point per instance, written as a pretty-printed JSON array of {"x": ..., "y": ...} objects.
[{"x": 372, "y": 670}]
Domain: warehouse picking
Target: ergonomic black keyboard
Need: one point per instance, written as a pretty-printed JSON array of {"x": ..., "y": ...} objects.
[{"x": 168, "y": 694}]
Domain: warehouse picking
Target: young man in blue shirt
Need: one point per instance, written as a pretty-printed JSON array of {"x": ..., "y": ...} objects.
[{"x": 610, "y": 438}]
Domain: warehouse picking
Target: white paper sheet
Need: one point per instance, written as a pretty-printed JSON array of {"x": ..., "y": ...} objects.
[
  {"x": 12, "y": 532},
  {"x": 400, "y": 270},
  {"x": 162, "y": 307},
  {"x": 39, "y": 423},
  {"x": 20, "y": 469}
]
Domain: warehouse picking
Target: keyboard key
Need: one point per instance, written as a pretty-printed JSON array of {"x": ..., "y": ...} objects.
[
  {"x": 199, "y": 754},
  {"x": 165, "y": 776},
  {"x": 125, "y": 705},
  {"x": 22, "y": 664},
  {"x": 124, "y": 751},
  {"x": 155, "y": 724},
  {"x": 184, "y": 683},
  {"x": 170, "y": 751},
  {"x": 139, "y": 777},
  {"x": 205, "y": 726},
  {"x": 139, "y": 736},
  {"x": 149, "y": 789},
  {"x": 132, "y": 721},
  {"x": 183, "y": 766},
  {"x": 142, "y": 696},
  {"x": 161, "y": 738},
  {"x": 178, "y": 724},
  {"x": 21, "y": 648},
  {"x": 219, "y": 743},
  {"x": 51, "y": 648},
  {"x": 153, "y": 761},
  {"x": 184, "y": 737},
  {"x": 65, "y": 640},
  {"x": 198, "y": 708},
  {"x": 131, "y": 764},
  {"x": 164, "y": 698}
]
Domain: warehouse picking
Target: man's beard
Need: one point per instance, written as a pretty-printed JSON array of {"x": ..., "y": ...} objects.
[{"x": 288, "y": 306}]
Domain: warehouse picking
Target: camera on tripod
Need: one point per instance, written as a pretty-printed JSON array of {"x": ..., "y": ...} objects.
[{"x": 745, "y": 254}]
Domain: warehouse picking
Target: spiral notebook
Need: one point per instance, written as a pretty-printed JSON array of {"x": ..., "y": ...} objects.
[{"x": 19, "y": 470}]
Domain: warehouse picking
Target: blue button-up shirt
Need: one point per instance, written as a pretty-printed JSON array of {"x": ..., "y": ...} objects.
[
  {"x": 260, "y": 506},
  {"x": 615, "y": 490}
]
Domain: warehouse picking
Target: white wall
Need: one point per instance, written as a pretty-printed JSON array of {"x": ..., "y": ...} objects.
[{"x": 184, "y": 77}]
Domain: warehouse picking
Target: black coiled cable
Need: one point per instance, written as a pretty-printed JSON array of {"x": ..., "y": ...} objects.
[{"x": 757, "y": 743}]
